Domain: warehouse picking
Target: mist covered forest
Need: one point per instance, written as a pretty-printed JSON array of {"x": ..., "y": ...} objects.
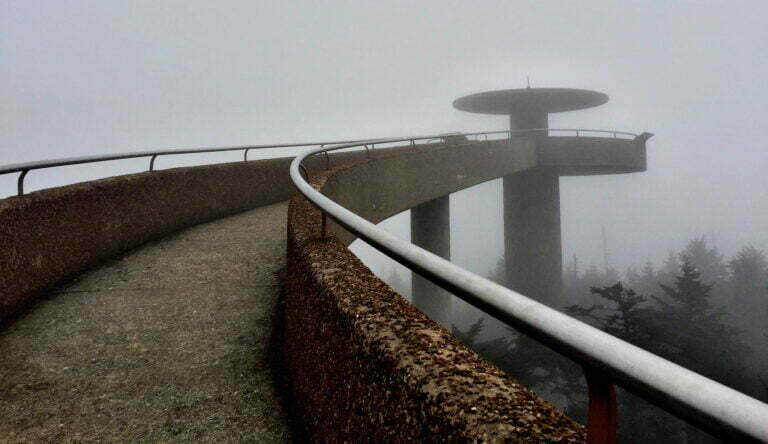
[{"x": 699, "y": 309}]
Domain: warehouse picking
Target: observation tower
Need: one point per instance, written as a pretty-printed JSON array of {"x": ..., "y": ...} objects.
[
  {"x": 532, "y": 238},
  {"x": 529, "y": 108}
]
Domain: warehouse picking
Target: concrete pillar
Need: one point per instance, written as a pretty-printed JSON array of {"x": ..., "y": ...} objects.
[
  {"x": 532, "y": 245},
  {"x": 431, "y": 230},
  {"x": 528, "y": 119}
]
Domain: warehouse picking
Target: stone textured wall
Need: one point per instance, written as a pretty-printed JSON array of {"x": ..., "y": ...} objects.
[
  {"x": 51, "y": 235},
  {"x": 366, "y": 365},
  {"x": 391, "y": 184},
  {"x": 580, "y": 156}
]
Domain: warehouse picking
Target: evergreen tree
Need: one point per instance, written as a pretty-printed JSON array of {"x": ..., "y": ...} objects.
[
  {"x": 709, "y": 262},
  {"x": 649, "y": 281},
  {"x": 495, "y": 350},
  {"x": 747, "y": 303},
  {"x": 609, "y": 277},
  {"x": 669, "y": 269},
  {"x": 748, "y": 277},
  {"x": 632, "y": 276},
  {"x": 628, "y": 316},
  {"x": 684, "y": 326},
  {"x": 693, "y": 332}
]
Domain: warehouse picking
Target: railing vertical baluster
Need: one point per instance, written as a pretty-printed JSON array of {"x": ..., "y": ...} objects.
[
  {"x": 303, "y": 169},
  {"x": 603, "y": 416},
  {"x": 324, "y": 226},
  {"x": 152, "y": 163},
  {"x": 245, "y": 156},
  {"x": 21, "y": 182}
]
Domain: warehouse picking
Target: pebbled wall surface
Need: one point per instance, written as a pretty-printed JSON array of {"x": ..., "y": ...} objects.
[
  {"x": 366, "y": 365},
  {"x": 52, "y": 235}
]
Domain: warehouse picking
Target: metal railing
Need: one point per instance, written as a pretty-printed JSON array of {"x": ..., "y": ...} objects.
[
  {"x": 24, "y": 168},
  {"x": 605, "y": 359}
]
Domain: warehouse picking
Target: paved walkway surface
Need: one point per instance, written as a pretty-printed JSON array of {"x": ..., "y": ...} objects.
[{"x": 170, "y": 342}]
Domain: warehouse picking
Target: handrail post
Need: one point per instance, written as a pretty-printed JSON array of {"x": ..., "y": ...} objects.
[
  {"x": 245, "y": 156},
  {"x": 603, "y": 416},
  {"x": 303, "y": 169},
  {"x": 21, "y": 182},
  {"x": 324, "y": 226},
  {"x": 152, "y": 163}
]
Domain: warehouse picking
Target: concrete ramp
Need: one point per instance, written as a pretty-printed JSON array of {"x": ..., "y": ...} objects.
[{"x": 169, "y": 342}]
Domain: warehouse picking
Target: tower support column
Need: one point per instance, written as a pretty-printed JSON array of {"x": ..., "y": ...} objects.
[
  {"x": 431, "y": 230},
  {"x": 532, "y": 244},
  {"x": 528, "y": 119}
]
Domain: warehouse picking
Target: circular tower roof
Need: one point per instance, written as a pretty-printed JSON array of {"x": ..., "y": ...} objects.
[{"x": 549, "y": 100}]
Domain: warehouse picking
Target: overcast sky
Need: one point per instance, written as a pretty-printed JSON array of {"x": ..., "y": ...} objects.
[{"x": 89, "y": 77}]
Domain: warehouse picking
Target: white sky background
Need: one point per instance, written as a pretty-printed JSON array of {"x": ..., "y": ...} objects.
[{"x": 91, "y": 77}]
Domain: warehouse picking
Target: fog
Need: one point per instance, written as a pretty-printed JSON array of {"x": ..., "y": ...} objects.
[
  {"x": 94, "y": 77},
  {"x": 84, "y": 78}
]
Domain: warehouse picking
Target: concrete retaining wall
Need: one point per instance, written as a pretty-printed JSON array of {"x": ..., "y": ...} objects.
[
  {"x": 580, "y": 156},
  {"x": 378, "y": 190},
  {"x": 367, "y": 366},
  {"x": 52, "y": 235}
]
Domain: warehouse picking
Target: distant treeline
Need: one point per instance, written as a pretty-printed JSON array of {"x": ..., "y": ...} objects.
[{"x": 698, "y": 309}]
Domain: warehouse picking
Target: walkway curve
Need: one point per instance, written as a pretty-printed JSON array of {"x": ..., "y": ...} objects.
[{"x": 169, "y": 342}]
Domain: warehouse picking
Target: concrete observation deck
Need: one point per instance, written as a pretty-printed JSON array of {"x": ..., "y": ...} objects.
[{"x": 170, "y": 341}]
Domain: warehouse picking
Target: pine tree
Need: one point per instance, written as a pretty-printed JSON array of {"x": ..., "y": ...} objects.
[
  {"x": 669, "y": 269},
  {"x": 748, "y": 277},
  {"x": 628, "y": 316},
  {"x": 693, "y": 331},
  {"x": 747, "y": 302},
  {"x": 707, "y": 260},
  {"x": 495, "y": 350},
  {"x": 649, "y": 281}
]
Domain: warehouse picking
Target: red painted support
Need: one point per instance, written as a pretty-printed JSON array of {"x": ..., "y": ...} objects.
[
  {"x": 324, "y": 227},
  {"x": 603, "y": 417}
]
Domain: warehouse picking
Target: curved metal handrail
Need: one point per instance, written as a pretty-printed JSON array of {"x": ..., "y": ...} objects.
[
  {"x": 578, "y": 131},
  {"x": 26, "y": 167},
  {"x": 701, "y": 401}
]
